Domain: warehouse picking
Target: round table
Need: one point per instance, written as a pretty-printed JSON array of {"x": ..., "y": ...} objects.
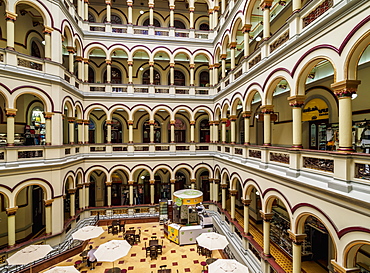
[
  {"x": 114, "y": 270},
  {"x": 211, "y": 260}
]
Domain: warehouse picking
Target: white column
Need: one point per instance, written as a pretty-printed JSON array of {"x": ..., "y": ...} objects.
[
  {"x": 86, "y": 70},
  {"x": 191, "y": 17},
  {"x": 86, "y": 131},
  {"x": 296, "y": 5},
  {"x": 80, "y": 67},
  {"x": 72, "y": 205},
  {"x": 109, "y": 193},
  {"x": 232, "y": 203},
  {"x": 130, "y": 73},
  {"x": 151, "y": 14},
  {"x": 152, "y": 183},
  {"x": 267, "y": 110},
  {"x": 215, "y": 131},
  {"x": 71, "y": 124},
  {"x": 211, "y": 77},
  {"x": 86, "y": 10},
  {"x": 11, "y": 225},
  {"x": 210, "y": 189},
  {"x": 265, "y": 6},
  {"x": 87, "y": 194},
  {"x": 48, "y": 216},
  {"x": 215, "y": 73},
  {"x": 172, "y": 13},
  {"x": 215, "y": 16},
  {"x": 47, "y": 34},
  {"x": 10, "y": 128},
  {"x": 223, "y": 130},
  {"x": 296, "y": 102},
  {"x": 151, "y": 72},
  {"x": 191, "y": 74},
  {"x": 216, "y": 182},
  {"x": 173, "y": 181},
  {"x": 109, "y": 70},
  {"x": 172, "y": 122},
  {"x": 151, "y": 133},
  {"x": 232, "y": 55},
  {"x": 247, "y": 116},
  {"x": 48, "y": 135},
  {"x": 223, "y": 4},
  {"x": 266, "y": 232},
  {"x": 246, "y": 29},
  {"x": 223, "y": 65},
  {"x": 10, "y": 22},
  {"x": 129, "y": 12},
  {"x": 246, "y": 204},
  {"x": 223, "y": 197},
  {"x": 130, "y": 131},
  {"x": 172, "y": 73},
  {"x": 108, "y": 11},
  {"x": 297, "y": 240},
  {"x": 210, "y": 20},
  {"x": 211, "y": 139},
  {"x": 109, "y": 131},
  {"x": 71, "y": 52},
  {"x": 192, "y": 131},
  {"x": 131, "y": 192},
  {"x": 233, "y": 129}
]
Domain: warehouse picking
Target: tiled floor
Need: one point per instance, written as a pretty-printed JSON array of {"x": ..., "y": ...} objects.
[{"x": 181, "y": 258}]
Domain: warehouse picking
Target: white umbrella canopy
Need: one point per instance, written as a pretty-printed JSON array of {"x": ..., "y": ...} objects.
[
  {"x": 227, "y": 266},
  {"x": 87, "y": 232},
  {"x": 63, "y": 269},
  {"x": 29, "y": 254},
  {"x": 212, "y": 241},
  {"x": 112, "y": 250}
]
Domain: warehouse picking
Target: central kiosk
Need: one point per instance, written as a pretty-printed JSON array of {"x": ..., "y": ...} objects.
[{"x": 187, "y": 218}]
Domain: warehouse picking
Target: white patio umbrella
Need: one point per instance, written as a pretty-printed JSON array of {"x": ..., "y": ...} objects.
[
  {"x": 63, "y": 269},
  {"x": 112, "y": 251},
  {"x": 212, "y": 241},
  {"x": 227, "y": 266},
  {"x": 87, "y": 232},
  {"x": 29, "y": 254}
]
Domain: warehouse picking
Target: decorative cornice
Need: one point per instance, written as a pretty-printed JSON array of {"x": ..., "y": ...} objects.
[{"x": 346, "y": 88}]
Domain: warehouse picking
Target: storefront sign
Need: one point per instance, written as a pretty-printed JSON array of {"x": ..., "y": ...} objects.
[{"x": 315, "y": 109}]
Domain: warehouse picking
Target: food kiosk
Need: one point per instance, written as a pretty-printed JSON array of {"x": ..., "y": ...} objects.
[{"x": 188, "y": 218}]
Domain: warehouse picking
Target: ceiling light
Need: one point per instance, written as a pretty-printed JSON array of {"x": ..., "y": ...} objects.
[
  {"x": 43, "y": 42},
  {"x": 141, "y": 12},
  {"x": 258, "y": 39},
  {"x": 141, "y": 69},
  {"x": 142, "y": 177},
  {"x": 354, "y": 95}
]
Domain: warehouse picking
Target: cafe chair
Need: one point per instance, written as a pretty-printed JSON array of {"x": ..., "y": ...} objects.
[
  {"x": 153, "y": 253},
  {"x": 159, "y": 249}
]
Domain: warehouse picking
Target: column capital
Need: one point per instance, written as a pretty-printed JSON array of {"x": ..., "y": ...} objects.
[
  {"x": 79, "y": 121},
  {"x": 266, "y": 216},
  {"x": 71, "y": 191},
  {"x": 131, "y": 182},
  {"x": 191, "y": 66},
  {"x": 223, "y": 186},
  {"x": 210, "y": 11},
  {"x": 130, "y": 63},
  {"x": 172, "y": 181},
  {"x": 191, "y": 9},
  {"x": 192, "y": 122},
  {"x": 216, "y": 65},
  {"x": 86, "y": 60},
  {"x": 210, "y": 179},
  {"x": 108, "y": 62},
  {"x": 108, "y": 2},
  {"x": 151, "y": 5},
  {"x": 172, "y": 7},
  {"x": 152, "y": 181},
  {"x": 86, "y": 121},
  {"x": 49, "y": 202},
  {"x": 266, "y": 4},
  {"x": 48, "y": 115},
  {"x": 108, "y": 122},
  {"x": 216, "y": 180},
  {"x": 70, "y": 49},
  {"x": 346, "y": 88},
  {"x": 151, "y": 63},
  {"x": 11, "y": 112},
  {"x": 267, "y": 109},
  {"x": 247, "y": 114},
  {"x": 108, "y": 183},
  {"x": 233, "y": 117},
  {"x": 71, "y": 119},
  {"x": 130, "y": 122},
  {"x": 223, "y": 56},
  {"x": 48, "y": 30},
  {"x": 216, "y": 8},
  {"x": 210, "y": 67},
  {"x": 193, "y": 180},
  {"x": 233, "y": 45},
  {"x": 172, "y": 122},
  {"x": 246, "y": 202},
  {"x": 296, "y": 101},
  {"x": 233, "y": 192},
  {"x": 151, "y": 122},
  {"x": 11, "y": 211},
  {"x": 10, "y": 16},
  {"x": 87, "y": 184},
  {"x": 216, "y": 122},
  {"x": 79, "y": 186},
  {"x": 224, "y": 120},
  {"x": 297, "y": 239},
  {"x": 79, "y": 59},
  {"x": 246, "y": 28}
]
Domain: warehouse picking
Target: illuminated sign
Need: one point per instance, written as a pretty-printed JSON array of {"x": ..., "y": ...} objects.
[{"x": 315, "y": 109}]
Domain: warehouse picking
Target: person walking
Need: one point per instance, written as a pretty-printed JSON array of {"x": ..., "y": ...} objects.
[{"x": 91, "y": 258}]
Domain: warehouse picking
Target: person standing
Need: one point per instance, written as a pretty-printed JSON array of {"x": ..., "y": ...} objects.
[{"x": 91, "y": 258}]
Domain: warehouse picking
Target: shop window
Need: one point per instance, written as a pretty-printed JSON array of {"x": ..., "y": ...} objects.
[
  {"x": 179, "y": 24},
  {"x": 204, "y": 132},
  {"x": 116, "y": 76},
  {"x": 146, "y": 132},
  {"x": 204, "y": 27},
  {"x": 204, "y": 78},
  {"x": 34, "y": 132},
  {"x": 146, "y": 77},
  {"x": 155, "y": 23},
  {"x": 35, "y": 50}
]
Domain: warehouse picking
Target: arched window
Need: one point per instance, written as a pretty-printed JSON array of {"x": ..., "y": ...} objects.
[
  {"x": 114, "y": 19},
  {"x": 179, "y": 24},
  {"x": 35, "y": 50},
  {"x": 116, "y": 76},
  {"x": 179, "y": 78},
  {"x": 91, "y": 75},
  {"x": 204, "y": 26},
  {"x": 146, "y": 77},
  {"x": 146, "y": 132},
  {"x": 92, "y": 131},
  {"x": 204, "y": 133},
  {"x": 204, "y": 78},
  {"x": 91, "y": 18},
  {"x": 155, "y": 23}
]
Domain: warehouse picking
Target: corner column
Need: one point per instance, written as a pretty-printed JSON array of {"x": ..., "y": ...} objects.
[
  {"x": 215, "y": 73},
  {"x": 80, "y": 73},
  {"x": 48, "y": 216},
  {"x": 296, "y": 102},
  {"x": 10, "y": 18},
  {"x": 11, "y": 225},
  {"x": 211, "y": 77},
  {"x": 344, "y": 91},
  {"x": 10, "y": 128},
  {"x": 297, "y": 240},
  {"x": 47, "y": 33}
]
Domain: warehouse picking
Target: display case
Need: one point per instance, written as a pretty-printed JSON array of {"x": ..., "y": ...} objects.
[{"x": 163, "y": 210}]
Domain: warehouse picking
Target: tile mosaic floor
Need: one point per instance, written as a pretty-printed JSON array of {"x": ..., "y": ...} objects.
[{"x": 178, "y": 258}]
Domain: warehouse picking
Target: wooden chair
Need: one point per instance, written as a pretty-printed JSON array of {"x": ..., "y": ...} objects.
[
  {"x": 147, "y": 251},
  {"x": 153, "y": 252},
  {"x": 159, "y": 249}
]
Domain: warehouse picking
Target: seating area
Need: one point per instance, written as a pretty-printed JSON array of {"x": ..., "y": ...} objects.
[{"x": 151, "y": 252}]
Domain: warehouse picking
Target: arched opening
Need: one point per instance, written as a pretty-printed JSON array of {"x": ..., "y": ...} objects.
[
  {"x": 4, "y": 223},
  {"x": 120, "y": 189},
  {"x": 91, "y": 18},
  {"x": 204, "y": 27},
  {"x": 114, "y": 19},
  {"x": 204, "y": 78},
  {"x": 204, "y": 184},
  {"x": 182, "y": 179},
  {"x": 35, "y": 49},
  {"x": 97, "y": 189},
  {"x": 91, "y": 77},
  {"x": 179, "y": 78}
]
